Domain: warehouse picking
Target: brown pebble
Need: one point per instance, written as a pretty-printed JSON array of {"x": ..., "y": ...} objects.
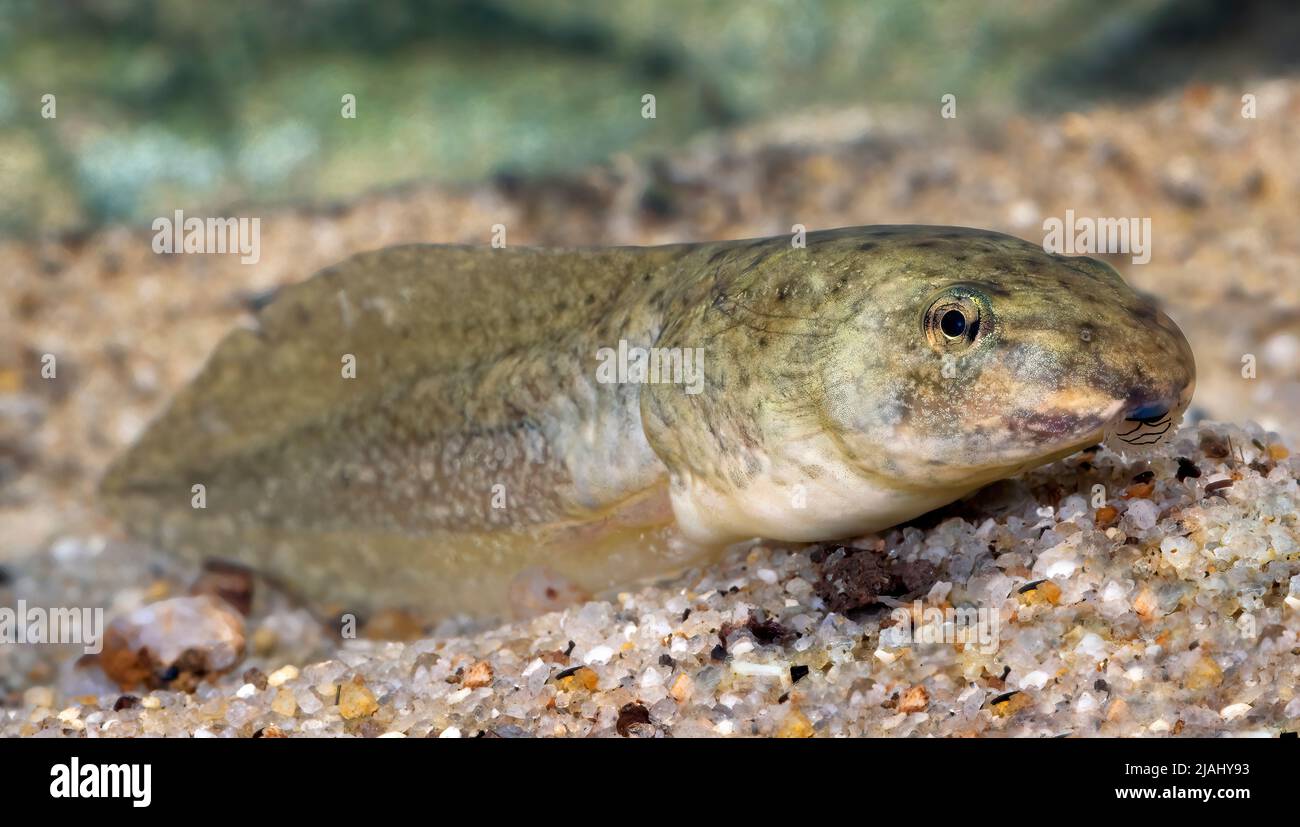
[
  {"x": 480, "y": 674},
  {"x": 1139, "y": 491},
  {"x": 256, "y": 677},
  {"x": 1213, "y": 445},
  {"x": 795, "y": 725},
  {"x": 229, "y": 581},
  {"x": 1107, "y": 516},
  {"x": 356, "y": 700},
  {"x": 913, "y": 699},
  {"x": 271, "y": 731},
  {"x": 634, "y": 721},
  {"x": 173, "y": 644}
]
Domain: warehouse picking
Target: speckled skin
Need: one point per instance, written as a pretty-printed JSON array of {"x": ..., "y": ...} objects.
[{"x": 832, "y": 404}]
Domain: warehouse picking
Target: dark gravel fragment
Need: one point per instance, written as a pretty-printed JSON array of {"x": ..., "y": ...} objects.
[
  {"x": 1214, "y": 446},
  {"x": 256, "y": 677},
  {"x": 1186, "y": 469},
  {"x": 1216, "y": 488},
  {"x": 634, "y": 721},
  {"x": 860, "y": 578}
]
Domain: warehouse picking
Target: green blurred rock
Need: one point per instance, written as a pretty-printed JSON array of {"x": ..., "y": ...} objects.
[{"x": 167, "y": 104}]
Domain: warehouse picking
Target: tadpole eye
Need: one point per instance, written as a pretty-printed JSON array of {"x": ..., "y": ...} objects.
[
  {"x": 957, "y": 318},
  {"x": 953, "y": 323}
]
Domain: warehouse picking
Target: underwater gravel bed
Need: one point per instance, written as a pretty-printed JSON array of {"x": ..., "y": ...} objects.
[{"x": 1171, "y": 609}]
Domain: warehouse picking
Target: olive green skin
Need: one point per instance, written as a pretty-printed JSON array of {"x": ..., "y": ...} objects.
[{"x": 475, "y": 442}]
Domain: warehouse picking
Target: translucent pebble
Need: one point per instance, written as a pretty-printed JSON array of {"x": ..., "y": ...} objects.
[
  {"x": 308, "y": 701},
  {"x": 1091, "y": 645},
  {"x": 1143, "y": 513},
  {"x": 1180, "y": 552},
  {"x": 598, "y": 655},
  {"x": 798, "y": 586},
  {"x": 1059, "y": 561},
  {"x": 1072, "y": 507}
]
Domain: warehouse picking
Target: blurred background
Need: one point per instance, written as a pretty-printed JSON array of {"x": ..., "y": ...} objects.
[
  {"x": 175, "y": 103},
  {"x": 529, "y": 113}
]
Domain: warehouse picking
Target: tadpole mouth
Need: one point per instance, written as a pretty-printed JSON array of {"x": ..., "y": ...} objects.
[
  {"x": 1147, "y": 419},
  {"x": 1144, "y": 431},
  {"x": 1149, "y": 413}
]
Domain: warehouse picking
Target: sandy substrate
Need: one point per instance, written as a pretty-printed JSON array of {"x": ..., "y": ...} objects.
[{"x": 1173, "y": 608}]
